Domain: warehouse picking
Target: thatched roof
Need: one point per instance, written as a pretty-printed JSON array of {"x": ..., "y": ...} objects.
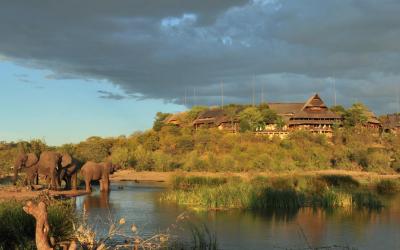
[
  {"x": 323, "y": 114},
  {"x": 285, "y": 108},
  {"x": 214, "y": 117},
  {"x": 372, "y": 118}
]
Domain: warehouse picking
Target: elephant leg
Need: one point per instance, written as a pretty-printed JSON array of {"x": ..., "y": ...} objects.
[
  {"x": 101, "y": 185},
  {"x": 37, "y": 178},
  {"x": 53, "y": 180},
  {"x": 67, "y": 182},
  {"x": 104, "y": 185},
  {"x": 87, "y": 185},
  {"x": 74, "y": 181},
  {"x": 28, "y": 178}
]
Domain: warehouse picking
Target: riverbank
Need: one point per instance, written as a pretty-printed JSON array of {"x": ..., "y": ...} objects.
[
  {"x": 151, "y": 176},
  {"x": 9, "y": 192}
]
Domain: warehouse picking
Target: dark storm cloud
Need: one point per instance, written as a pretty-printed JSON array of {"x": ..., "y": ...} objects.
[{"x": 162, "y": 49}]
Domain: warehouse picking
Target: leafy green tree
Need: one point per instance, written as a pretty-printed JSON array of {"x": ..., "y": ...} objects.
[
  {"x": 159, "y": 120},
  {"x": 269, "y": 116},
  {"x": 150, "y": 140},
  {"x": 338, "y": 109},
  {"x": 37, "y": 146},
  {"x": 68, "y": 148},
  {"x": 123, "y": 157},
  {"x": 356, "y": 115},
  {"x": 250, "y": 119},
  {"x": 94, "y": 149}
]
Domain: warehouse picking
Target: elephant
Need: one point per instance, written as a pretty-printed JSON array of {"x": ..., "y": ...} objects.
[
  {"x": 69, "y": 171},
  {"x": 92, "y": 171},
  {"x": 53, "y": 165},
  {"x": 48, "y": 165},
  {"x": 27, "y": 163}
]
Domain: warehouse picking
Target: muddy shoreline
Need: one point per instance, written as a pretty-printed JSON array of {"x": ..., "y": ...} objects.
[{"x": 10, "y": 192}]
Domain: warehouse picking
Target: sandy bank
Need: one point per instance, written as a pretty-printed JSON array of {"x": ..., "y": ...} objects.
[{"x": 147, "y": 176}]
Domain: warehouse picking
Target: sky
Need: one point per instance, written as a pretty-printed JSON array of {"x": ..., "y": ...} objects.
[{"x": 73, "y": 69}]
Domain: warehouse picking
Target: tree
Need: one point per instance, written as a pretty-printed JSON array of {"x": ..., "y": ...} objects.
[
  {"x": 159, "y": 120},
  {"x": 194, "y": 112},
  {"x": 250, "y": 119},
  {"x": 269, "y": 116},
  {"x": 338, "y": 109},
  {"x": 123, "y": 156},
  {"x": 231, "y": 113},
  {"x": 355, "y": 115},
  {"x": 94, "y": 149}
]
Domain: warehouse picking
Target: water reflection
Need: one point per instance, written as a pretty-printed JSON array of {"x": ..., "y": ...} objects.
[
  {"x": 101, "y": 200},
  {"x": 139, "y": 204}
]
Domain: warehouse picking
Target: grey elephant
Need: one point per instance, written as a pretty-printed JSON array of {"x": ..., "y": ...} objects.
[
  {"x": 53, "y": 164},
  {"x": 92, "y": 171},
  {"x": 69, "y": 171},
  {"x": 26, "y": 163}
]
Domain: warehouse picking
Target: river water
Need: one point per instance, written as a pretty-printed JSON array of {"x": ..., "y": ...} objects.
[{"x": 139, "y": 204}]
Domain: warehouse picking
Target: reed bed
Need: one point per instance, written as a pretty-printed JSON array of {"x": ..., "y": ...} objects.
[
  {"x": 184, "y": 183},
  {"x": 387, "y": 187},
  {"x": 262, "y": 193}
]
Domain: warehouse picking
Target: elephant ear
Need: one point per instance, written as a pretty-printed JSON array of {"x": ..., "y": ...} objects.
[
  {"x": 32, "y": 159},
  {"x": 20, "y": 161},
  {"x": 66, "y": 160}
]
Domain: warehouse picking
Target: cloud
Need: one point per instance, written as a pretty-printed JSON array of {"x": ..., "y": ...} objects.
[
  {"x": 110, "y": 95},
  {"x": 164, "y": 49}
]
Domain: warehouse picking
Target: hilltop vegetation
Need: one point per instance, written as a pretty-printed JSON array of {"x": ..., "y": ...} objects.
[{"x": 167, "y": 148}]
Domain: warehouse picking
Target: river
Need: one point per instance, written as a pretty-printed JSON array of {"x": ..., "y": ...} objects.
[{"x": 139, "y": 204}]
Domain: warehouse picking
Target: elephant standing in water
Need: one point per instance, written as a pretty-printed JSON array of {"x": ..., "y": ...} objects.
[
  {"x": 27, "y": 164},
  {"x": 92, "y": 171}
]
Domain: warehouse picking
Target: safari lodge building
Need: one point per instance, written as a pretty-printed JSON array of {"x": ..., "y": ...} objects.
[
  {"x": 313, "y": 116},
  {"x": 216, "y": 118}
]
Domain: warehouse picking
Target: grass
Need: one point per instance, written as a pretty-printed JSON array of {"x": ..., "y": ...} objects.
[
  {"x": 17, "y": 229},
  {"x": 387, "y": 187},
  {"x": 191, "y": 182},
  {"x": 262, "y": 193},
  {"x": 217, "y": 197},
  {"x": 202, "y": 238},
  {"x": 369, "y": 200},
  {"x": 342, "y": 181},
  {"x": 270, "y": 198}
]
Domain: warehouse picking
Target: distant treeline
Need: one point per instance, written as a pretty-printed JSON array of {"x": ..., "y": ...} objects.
[{"x": 167, "y": 148}]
